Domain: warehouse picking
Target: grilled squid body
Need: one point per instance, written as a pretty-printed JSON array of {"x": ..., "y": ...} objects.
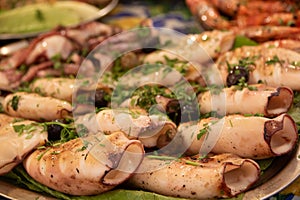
[
  {"x": 262, "y": 99},
  {"x": 151, "y": 130},
  {"x": 251, "y": 137},
  {"x": 78, "y": 169},
  {"x": 214, "y": 42},
  {"x": 272, "y": 66},
  {"x": 60, "y": 88},
  {"x": 16, "y": 145},
  {"x": 222, "y": 176},
  {"x": 208, "y": 45},
  {"x": 35, "y": 107}
]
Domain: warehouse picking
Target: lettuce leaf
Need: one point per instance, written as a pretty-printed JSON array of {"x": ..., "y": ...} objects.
[
  {"x": 128, "y": 195},
  {"x": 23, "y": 179},
  {"x": 294, "y": 112},
  {"x": 20, "y": 176},
  {"x": 243, "y": 41}
]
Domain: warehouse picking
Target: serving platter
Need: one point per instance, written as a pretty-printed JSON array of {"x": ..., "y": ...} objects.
[{"x": 78, "y": 13}]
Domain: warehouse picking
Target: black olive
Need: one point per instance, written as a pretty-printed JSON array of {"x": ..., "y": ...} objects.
[
  {"x": 183, "y": 113},
  {"x": 148, "y": 50},
  {"x": 173, "y": 111},
  {"x": 54, "y": 132},
  {"x": 235, "y": 75},
  {"x": 100, "y": 98}
]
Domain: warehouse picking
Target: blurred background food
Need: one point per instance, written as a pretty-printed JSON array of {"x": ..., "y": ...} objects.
[{"x": 10, "y": 4}]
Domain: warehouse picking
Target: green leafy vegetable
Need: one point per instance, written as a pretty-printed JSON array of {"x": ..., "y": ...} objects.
[
  {"x": 243, "y": 41},
  {"x": 238, "y": 197},
  {"x": 294, "y": 112},
  {"x": 265, "y": 163},
  {"x": 129, "y": 195},
  {"x": 19, "y": 175}
]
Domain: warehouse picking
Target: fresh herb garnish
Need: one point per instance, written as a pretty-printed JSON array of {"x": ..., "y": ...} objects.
[
  {"x": 188, "y": 162},
  {"x": 203, "y": 131},
  {"x": 56, "y": 59},
  {"x": 245, "y": 62},
  {"x": 162, "y": 157},
  {"x": 15, "y": 102},
  {"x": 274, "y": 60},
  {"x": 206, "y": 128},
  {"x": 68, "y": 131},
  {"x": 255, "y": 115}
]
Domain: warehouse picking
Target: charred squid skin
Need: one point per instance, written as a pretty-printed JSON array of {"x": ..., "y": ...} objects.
[
  {"x": 273, "y": 126},
  {"x": 229, "y": 191},
  {"x": 287, "y": 103}
]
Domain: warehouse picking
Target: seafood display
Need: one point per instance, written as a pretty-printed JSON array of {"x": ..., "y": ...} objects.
[{"x": 93, "y": 109}]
